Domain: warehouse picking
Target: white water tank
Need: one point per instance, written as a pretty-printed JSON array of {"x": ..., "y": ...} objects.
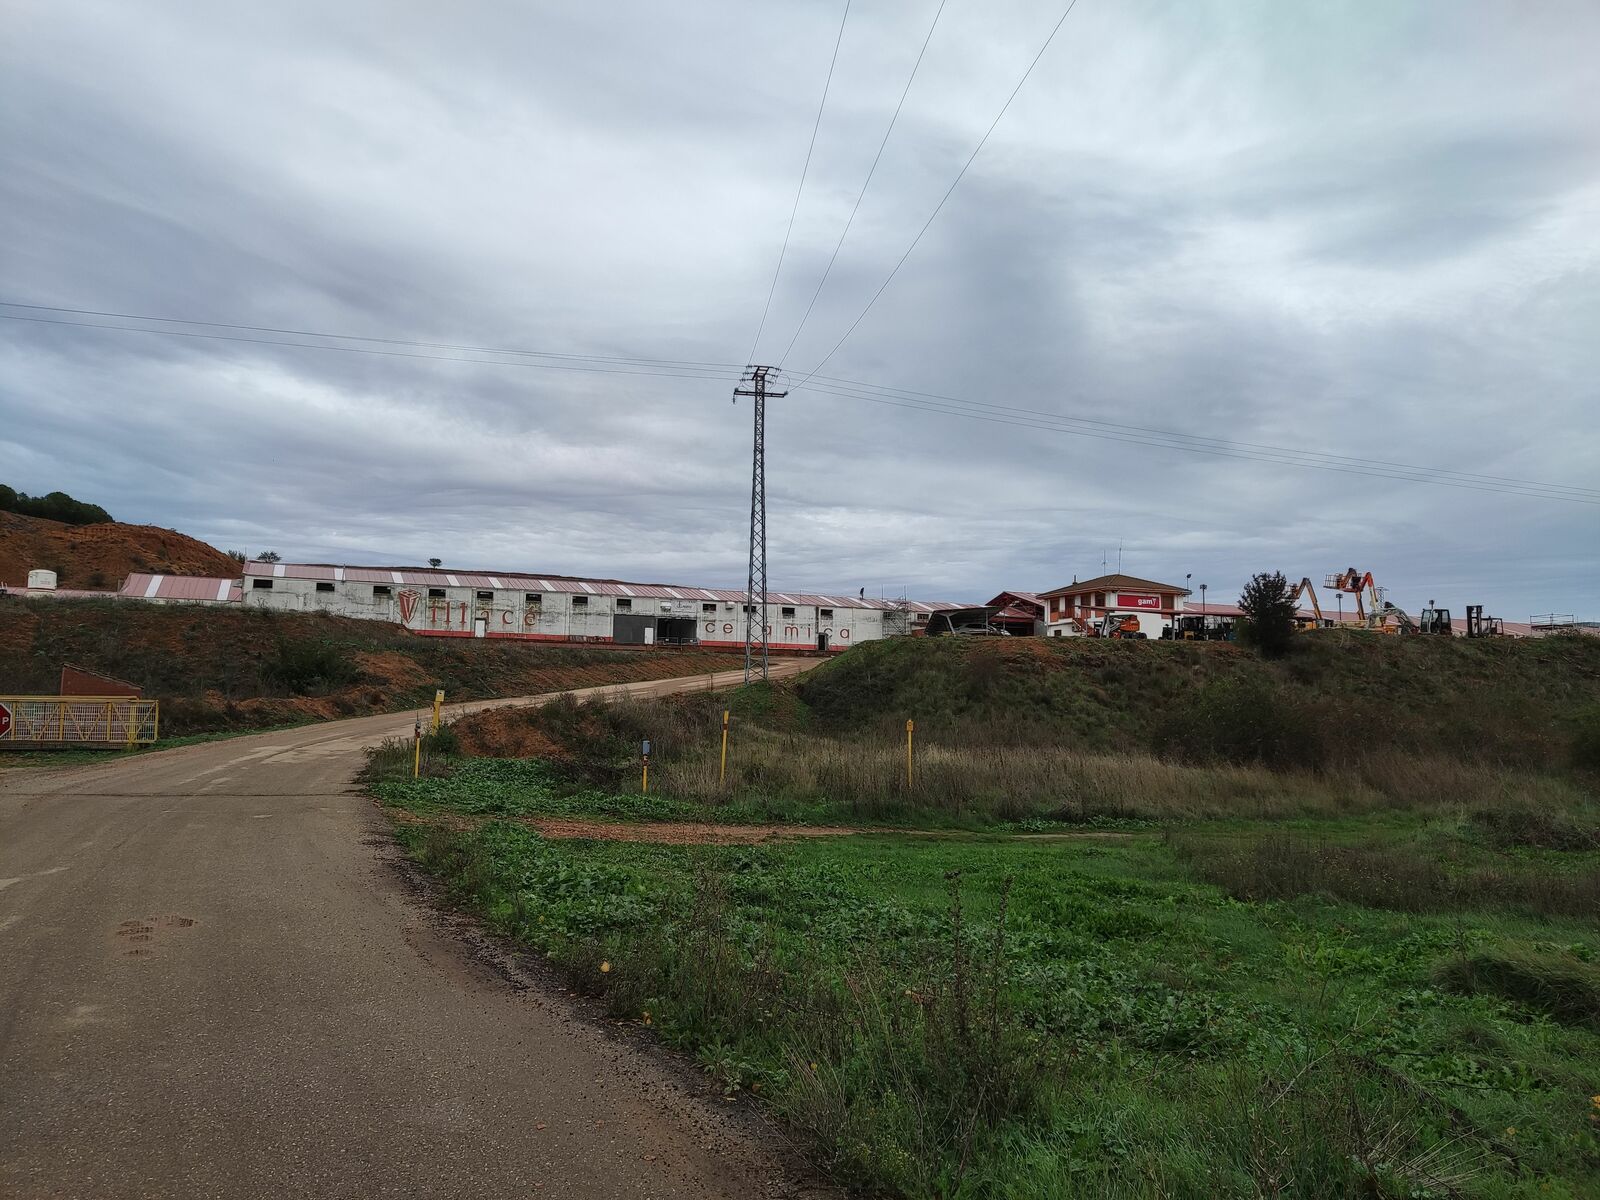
[{"x": 42, "y": 581}]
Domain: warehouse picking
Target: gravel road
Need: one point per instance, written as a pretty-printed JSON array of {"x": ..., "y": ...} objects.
[{"x": 217, "y": 980}]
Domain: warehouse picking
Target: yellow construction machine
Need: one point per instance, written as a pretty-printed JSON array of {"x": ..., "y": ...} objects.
[{"x": 1305, "y": 589}]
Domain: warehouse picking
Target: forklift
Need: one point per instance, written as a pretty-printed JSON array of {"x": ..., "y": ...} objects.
[{"x": 1480, "y": 626}]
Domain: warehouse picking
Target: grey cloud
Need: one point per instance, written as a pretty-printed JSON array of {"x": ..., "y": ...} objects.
[{"x": 1167, "y": 231}]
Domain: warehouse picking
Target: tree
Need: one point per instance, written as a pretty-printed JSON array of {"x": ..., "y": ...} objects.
[
  {"x": 269, "y": 556},
  {"x": 238, "y": 556},
  {"x": 57, "y": 506},
  {"x": 436, "y": 563},
  {"x": 1267, "y": 606}
]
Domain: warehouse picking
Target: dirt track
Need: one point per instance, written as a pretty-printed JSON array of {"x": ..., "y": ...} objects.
[{"x": 218, "y": 982}]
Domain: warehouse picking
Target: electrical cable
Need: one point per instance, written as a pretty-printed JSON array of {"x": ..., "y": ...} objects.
[
  {"x": 1223, "y": 442},
  {"x": 948, "y": 191},
  {"x": 872, "y": 170},
  {"x": 680, "y": 373},
  {"x": 1534, "y": 492},
  {"x": 804, "y": 171},
  {"x": 353, "y": 337},
  {"x": 931, "y": 402}
]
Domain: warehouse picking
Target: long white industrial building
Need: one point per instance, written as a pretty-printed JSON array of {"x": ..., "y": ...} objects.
[{"x": 556, "y": 608}]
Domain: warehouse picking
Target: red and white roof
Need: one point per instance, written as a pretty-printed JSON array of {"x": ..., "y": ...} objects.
[
  {"x": 519, "y": 582},
  {"x": 140, "y": 586}
]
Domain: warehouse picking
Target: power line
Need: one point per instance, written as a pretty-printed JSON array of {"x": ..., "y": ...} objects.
[
  {"x": 804, "y": 171},
  {"x": 1134, "y": 439},
  {"x": 845, "y": 232},
  {"x": 1199, "y": 438},
  {"x": 948, "y": 191},
  {"x": 931, "y": 402},
  {"x": 353, "y": 337},
  {"x": 622, "y": 369}
]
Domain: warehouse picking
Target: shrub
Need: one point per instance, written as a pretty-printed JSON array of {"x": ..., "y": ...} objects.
[
  {"x": 1559, "y": 984},
  {"x": 1245, "y": 721},
  {"x": 309, "y": 668},
  {"x": 1279, "y": 867},
  {"x": 1586, "y": 738},
  {"x": 1536, "y": 827}
]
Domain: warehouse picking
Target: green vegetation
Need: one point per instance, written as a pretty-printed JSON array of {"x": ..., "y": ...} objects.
[
  {"x": 1268, "y": 609},
  {"x": 218, "y": 669},
  {"x": 56, "y": 506},
  {"x": 1174, "y": 936},
  {"x": 1015, "y": 1017}
]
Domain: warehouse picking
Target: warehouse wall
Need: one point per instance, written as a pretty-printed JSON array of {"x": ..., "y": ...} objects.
[{"x": 563, "y": 616}]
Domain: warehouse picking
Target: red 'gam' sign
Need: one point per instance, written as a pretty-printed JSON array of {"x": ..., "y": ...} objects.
[
  {"x": 1135, "y": 600},
  {"x": 5, "y": 720}
]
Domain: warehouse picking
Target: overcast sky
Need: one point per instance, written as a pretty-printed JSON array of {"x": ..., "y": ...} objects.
[{"x": 1369, "y": 230}]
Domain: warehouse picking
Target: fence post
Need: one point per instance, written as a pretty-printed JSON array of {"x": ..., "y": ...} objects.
[
  {"x": 722, "y": 771},
  {"x": 910, "y": 725}
]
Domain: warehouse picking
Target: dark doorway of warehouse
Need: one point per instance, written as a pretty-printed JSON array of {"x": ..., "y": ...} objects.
[
  {"x": 677, "y": 631},
  {"x": 822, "y": 641}
]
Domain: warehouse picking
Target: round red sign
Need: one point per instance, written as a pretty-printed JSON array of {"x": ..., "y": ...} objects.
[{"x": 5, "y": 720}]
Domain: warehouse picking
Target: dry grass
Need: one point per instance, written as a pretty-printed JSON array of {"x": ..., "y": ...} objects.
[
  {"x": 1010, "y": 782},
  {"x": 1548, "y": 980},
  {"x": 1281, "y": 866}
]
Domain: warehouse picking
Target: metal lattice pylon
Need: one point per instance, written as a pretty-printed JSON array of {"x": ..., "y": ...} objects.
[{"x": 754, "y": 384}]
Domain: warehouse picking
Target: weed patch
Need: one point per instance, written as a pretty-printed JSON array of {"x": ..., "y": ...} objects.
[{"x": 1549, "y": 981}]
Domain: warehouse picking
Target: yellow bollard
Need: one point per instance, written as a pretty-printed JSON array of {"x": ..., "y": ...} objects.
[
  {"x": 722, "y": 771},
  {"x": 645, "y": 754},
  {"x": 910, "y": 725},
  {"x": 416, "y": 749},
  {"x": 438, "y": 702}
]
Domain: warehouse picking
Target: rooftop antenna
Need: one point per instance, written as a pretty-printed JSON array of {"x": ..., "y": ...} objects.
[{"x": 1119, "y": 556}]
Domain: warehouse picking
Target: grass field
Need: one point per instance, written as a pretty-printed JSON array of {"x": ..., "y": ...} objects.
[{"x": 1150, "y": 975}]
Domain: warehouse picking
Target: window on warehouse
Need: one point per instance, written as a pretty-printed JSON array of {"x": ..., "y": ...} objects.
[
  {"x": 435, "y": 593},
  {"x": 324, "y": 587},
  {"x": 580, "y": 602},
  {"x": 624, "y": 604}
]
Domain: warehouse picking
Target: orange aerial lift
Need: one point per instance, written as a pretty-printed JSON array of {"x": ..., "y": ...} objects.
[{"x": 1357, "y": 584}]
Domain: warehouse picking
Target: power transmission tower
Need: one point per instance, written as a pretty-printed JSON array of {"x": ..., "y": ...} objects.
[{"x": 754, "y": 383}]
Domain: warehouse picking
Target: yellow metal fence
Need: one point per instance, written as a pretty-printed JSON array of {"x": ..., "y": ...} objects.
[{"x": 78, "y": 720}]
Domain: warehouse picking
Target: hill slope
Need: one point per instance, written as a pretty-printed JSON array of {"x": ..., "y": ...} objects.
[
  {"x": 222, "y": 668},
  {"x": 1339, "y": 692},
  {"x": 101, "y": 555}
]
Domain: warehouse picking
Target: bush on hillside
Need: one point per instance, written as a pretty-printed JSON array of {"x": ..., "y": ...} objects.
[
  {"x": 1586, "y": 738},
  {"x": 56, "y": 506},
  {"x": 310, "y": 668},
  {"x": 1245, "y": 721}
]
